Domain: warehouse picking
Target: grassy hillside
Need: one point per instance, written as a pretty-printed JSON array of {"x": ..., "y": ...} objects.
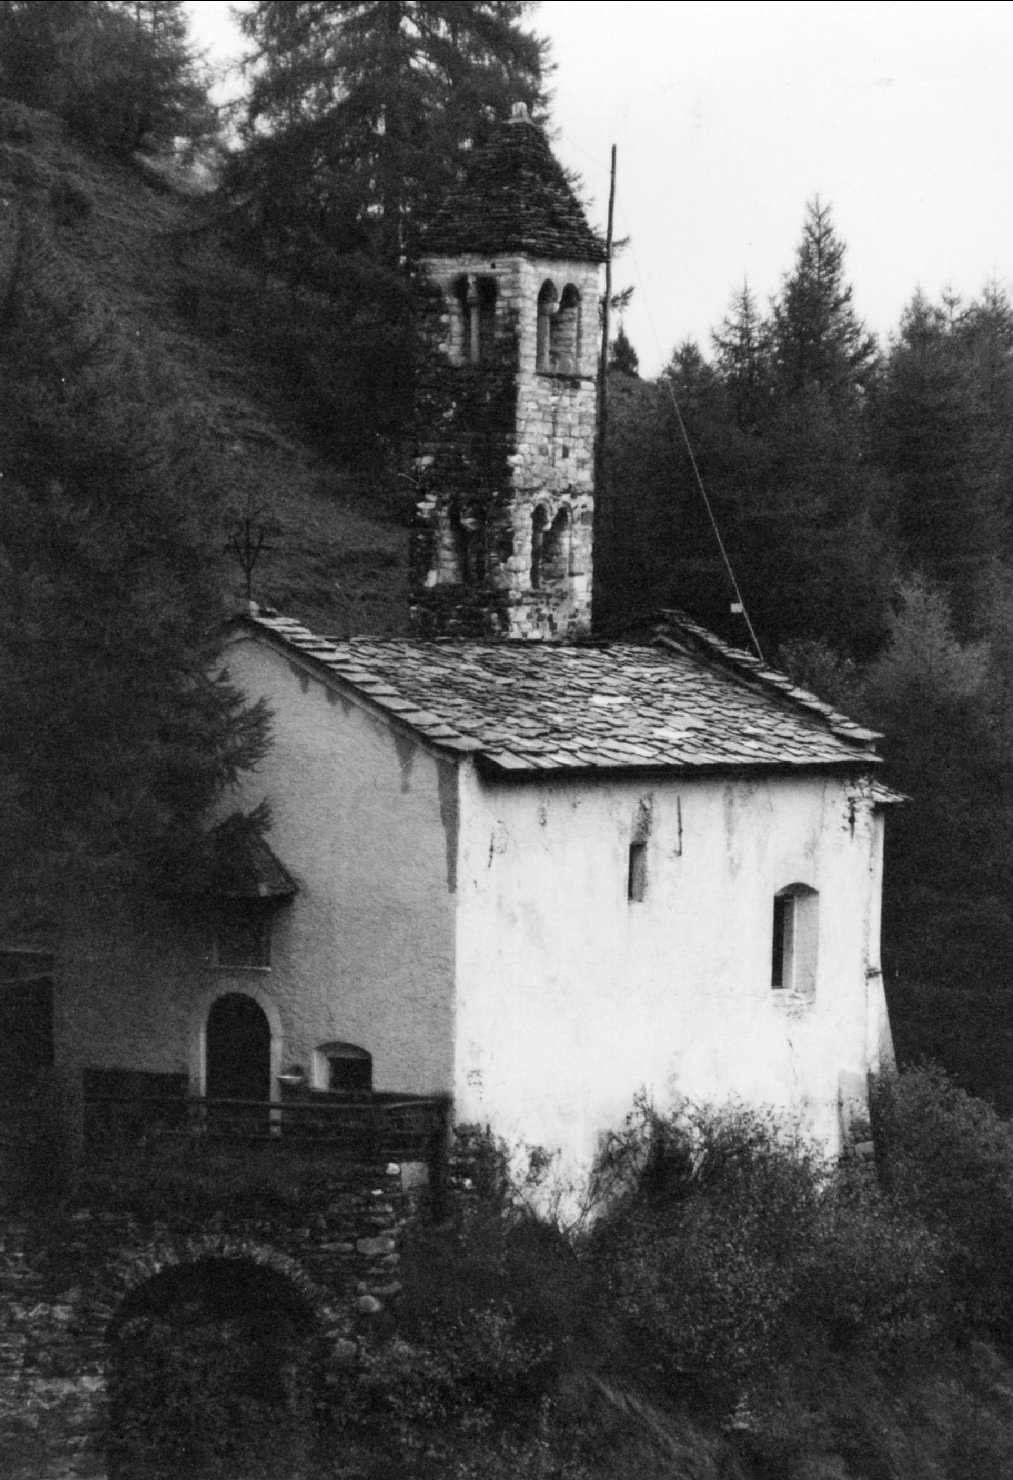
[{"x": 336, "y": 551}]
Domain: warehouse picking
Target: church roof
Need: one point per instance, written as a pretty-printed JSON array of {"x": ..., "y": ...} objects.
[
  {"x": 514, "y": 198},
  {"x": 682, "y": 702}
]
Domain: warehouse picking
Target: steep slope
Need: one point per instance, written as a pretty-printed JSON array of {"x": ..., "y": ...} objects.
[{"x": 335, "y": 547}]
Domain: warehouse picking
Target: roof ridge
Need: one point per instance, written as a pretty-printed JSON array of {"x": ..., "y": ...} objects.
[{"x": 756, "y": 670}]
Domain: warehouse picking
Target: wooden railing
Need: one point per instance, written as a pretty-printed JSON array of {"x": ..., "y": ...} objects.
[{"x": 373, "y": 1127}]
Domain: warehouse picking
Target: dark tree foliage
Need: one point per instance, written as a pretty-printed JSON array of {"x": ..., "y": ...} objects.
[
  {"x": 742, "y": 356},
  {"x": 623, "y": 358},
  {"x": 117, "y": 736},
  {"x": 810, "y": 535},
  {"x": 358, "y": 118},
  {"x": 778, "y": 423},
  {"x": 942, "y": 435},
  {"x": 638, "y": 512},
  {"x": 817, "y": 342},
  {"x": 120, "y": 73}
]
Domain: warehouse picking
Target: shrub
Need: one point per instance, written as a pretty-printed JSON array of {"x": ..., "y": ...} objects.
[
  {"x": 734, "y": 1252},
  {"x": 947, "y": 1158}
]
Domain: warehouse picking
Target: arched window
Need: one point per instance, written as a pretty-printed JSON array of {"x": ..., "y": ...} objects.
[
  {"x": 453, "y": 554},
  {"x": 795, "y": 940},
  {"x": 548, "y": 304},
  {"x": 473, "y": 319},
  {"x": 550, "y": 548},
  {"x": 539, "y": 520},
  {"x": 565, "y": 350},
  {"x": 558, "y": 330},
  {"x": 556, "y": 550},
  {"x": 344, "y": 1068},
  {"x": 484, "y": 313}
]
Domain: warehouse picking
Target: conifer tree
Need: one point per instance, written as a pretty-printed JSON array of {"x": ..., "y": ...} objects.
[
  {"x": 815, "y": 526},
  {"x": 742, "y": 358},
  {"x": 623, "y": 358},
  {"x": 817, "y": 340},
  {"x": 359, "y": 115},
  {"x": 119, "y": 72},
  {"x": 117, "y": 735},
  {"x": 943, "y": 436}
]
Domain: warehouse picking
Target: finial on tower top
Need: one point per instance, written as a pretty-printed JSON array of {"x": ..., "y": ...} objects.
[{"x": 519, "y": 113}]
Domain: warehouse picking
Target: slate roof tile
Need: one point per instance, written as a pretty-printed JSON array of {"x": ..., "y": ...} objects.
[
  {"x": 514, "y": 197},
  {"x": 683, "y": 702}
]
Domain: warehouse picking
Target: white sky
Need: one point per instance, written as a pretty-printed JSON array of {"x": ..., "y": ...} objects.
[{"x": 728, "y": 117}]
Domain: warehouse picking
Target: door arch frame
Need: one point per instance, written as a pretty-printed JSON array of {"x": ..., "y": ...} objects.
[{"x": 199, "y": 1030}]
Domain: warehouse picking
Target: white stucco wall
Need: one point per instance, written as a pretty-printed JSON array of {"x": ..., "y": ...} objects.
[
  {"x": 365, "y": 821},
  {"x": 571, "y": 997}
]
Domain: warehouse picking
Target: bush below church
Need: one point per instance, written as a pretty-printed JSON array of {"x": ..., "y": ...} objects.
[{"x": 738, "y": 1302}]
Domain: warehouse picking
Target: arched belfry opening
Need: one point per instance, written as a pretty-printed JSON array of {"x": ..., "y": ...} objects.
[
  {"x": 550, "y": 548},
  {"x": 556, "y": 550},
  {"x": 548, "y": 307},
  {"x": 565, "y": 348},
  {"x": 473, "y": 327}
]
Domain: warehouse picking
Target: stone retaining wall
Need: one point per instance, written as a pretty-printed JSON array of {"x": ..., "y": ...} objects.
[{"x": 335, "y": 1236}]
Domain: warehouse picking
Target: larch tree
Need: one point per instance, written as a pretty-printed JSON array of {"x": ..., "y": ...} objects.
[
  {"x": 816, "y": 527},
  {"x": 942, "y": 435},
  {"x": 120, "y": 729},
  {"x": 742, "y": 357},
  {"x": 623, "y": 358},
  {"x": 359, "y": 115},
  {"x": 817, "y": 340},
  {"x": 121, "y": 73}
]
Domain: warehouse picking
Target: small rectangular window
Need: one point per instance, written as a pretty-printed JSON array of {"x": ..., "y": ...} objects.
[
  {"x": 784, "y": 930},
  {"x": 637, "y": 883},
  {"x": 243, "y": 939},
  {"x": 795, "y": 940}
]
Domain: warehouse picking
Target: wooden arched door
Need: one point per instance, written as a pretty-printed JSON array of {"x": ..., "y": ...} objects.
[{"x": 238, "y": 1050}]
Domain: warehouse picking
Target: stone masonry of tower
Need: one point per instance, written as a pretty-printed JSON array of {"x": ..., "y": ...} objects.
[{"x": 506, "y": 403}]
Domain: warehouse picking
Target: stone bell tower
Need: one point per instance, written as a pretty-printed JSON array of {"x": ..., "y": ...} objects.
[{"x": 506, "y": 405}]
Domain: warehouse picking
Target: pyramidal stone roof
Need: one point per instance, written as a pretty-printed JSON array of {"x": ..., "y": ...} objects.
[
  {"x": 514, "y": 198},
  {"x": 684, "y": 702}
]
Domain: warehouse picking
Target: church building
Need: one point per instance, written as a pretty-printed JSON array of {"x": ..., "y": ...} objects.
[{"x": 508, "y": 863}]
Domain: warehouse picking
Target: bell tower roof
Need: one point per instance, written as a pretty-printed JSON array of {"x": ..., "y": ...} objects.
[{"x": 514, "y": 198}]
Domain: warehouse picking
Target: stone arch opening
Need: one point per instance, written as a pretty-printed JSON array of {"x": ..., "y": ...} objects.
[
  {"x": 556, "y": 549},
  {"x": 565, "y": 334},
  {"x": 548, "y": 304},
  {"x": 473, "y": 318},
  {"x": 213, "y": 1364},
  {"x": 550, "y": 548},
  {"x": 461, "y": 557}
]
